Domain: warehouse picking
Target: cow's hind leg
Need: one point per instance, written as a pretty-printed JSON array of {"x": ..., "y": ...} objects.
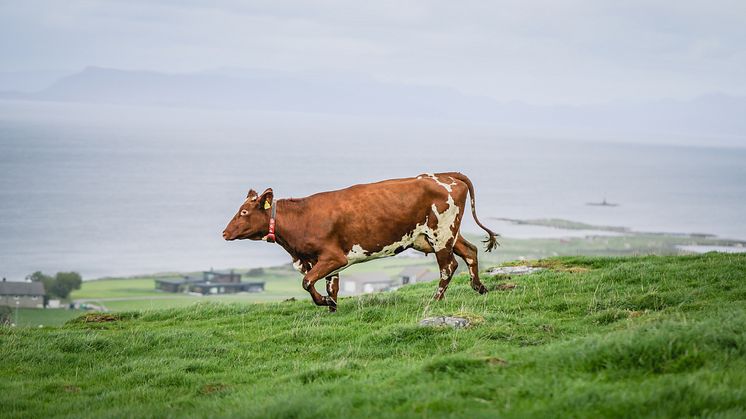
[
  {"x": 332, "y": 288},
  {"x": 447, "y": 264},
  {"x": 468, "y": 252}
]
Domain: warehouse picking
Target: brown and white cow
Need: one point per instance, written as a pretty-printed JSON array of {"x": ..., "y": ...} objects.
[{"x": 329, "y": 231}]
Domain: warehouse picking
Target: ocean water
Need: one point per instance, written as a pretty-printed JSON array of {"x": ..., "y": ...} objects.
[{"x": 109, "y": 190}]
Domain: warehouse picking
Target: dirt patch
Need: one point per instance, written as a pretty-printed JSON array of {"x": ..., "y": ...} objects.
[
  {"x": 208, "y": 389},
  {"x": 71, "y": 389},
  {"x": 98, "y": 318},
  {"x": 635, "y": 314},
  {"x": 507, "y": 286}
]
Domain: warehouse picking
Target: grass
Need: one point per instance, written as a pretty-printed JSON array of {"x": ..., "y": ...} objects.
[
  {"x": 116, "y": 288},
  {"x": 622, "y": 337},
  {"x": 122, "y": 294},
  {"x": 35, "y": 317}
]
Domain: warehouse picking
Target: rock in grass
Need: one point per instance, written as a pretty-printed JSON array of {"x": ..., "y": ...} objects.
[
  {"x": 455, "y": 322},
  {"x": 514, "y": 270}
]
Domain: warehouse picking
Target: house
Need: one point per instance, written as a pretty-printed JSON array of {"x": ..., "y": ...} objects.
[
  {"x": 206, "y": 288},
  {"x": 22, "y": 294},
  {"x": 176, "y": 284},
  {"x": 365, "y": 282},
  {"x": 415, "y": 274},
  {"x": 209, "y": 282},
  {"x": 183, "y": 283},
  {"x": 221, "y": 277}
]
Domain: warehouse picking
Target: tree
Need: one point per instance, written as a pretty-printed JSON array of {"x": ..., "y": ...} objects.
[
  {"x": 60, "y": 285},
  {"x": 65, "y": 282},
  {"x": 47, "y": 280}
]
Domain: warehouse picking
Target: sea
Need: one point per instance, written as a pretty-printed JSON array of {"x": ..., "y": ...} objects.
[{"x": 118, "y": 190}]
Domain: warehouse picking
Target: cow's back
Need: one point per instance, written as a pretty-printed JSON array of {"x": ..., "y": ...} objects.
[{"x": 374, "y": 217}]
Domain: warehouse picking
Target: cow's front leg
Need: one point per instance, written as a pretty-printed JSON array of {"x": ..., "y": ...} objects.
[
  {"x": 322, "y": 269},
  {"x": 332, "y": 288}
]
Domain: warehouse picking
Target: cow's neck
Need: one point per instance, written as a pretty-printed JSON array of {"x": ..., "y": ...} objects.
[{"x": 289, "y": 230}]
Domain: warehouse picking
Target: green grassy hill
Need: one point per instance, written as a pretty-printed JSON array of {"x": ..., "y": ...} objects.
[{"x": 593, "y": 336}]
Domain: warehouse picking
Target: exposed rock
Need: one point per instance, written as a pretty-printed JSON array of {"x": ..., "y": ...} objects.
[
  {"x": 514, "y": 270},
  {"x": 455, "y": 322}
]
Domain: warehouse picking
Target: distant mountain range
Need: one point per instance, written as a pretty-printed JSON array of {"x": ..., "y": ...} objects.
[{"x": 711, "y": 115}]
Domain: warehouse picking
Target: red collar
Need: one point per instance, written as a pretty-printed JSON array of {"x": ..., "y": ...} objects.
[{"x": 270, "y": 237}]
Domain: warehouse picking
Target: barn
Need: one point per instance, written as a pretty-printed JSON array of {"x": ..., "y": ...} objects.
[{"x": 21, "y": 294}]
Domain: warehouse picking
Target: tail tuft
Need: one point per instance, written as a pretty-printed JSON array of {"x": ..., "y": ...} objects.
[{"x": 491, "y": 242}]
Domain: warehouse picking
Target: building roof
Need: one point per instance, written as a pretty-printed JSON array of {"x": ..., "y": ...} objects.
[
  {"x": 178, "y": 280},
  {"x": 221, "y": 272},
  {"x": 21, "y": 288},
  {"x": 228, "y": 285},
  {"x": 367, "y": 277}
]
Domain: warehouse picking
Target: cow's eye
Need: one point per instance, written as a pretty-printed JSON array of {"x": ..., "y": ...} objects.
[{"x": 244, "y": 212}]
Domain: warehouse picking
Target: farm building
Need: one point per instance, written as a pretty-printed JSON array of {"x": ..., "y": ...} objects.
[
  {"x": 176, "y": 284},
  {"x": 210, "y": 282},
  {"x": 230, "y": 288},
  {"x": 365, "y": 282},
  {"x": 22, "y": 294},
  {"x": 415, "y": 274}
]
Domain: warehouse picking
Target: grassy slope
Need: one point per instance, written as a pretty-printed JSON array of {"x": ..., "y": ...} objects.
[{"x": 647, "y": 336}]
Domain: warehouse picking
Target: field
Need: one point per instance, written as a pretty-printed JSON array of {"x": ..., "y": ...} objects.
[
  {"x": 32, "y": 317},
  {"x": 591, "y": 336}
]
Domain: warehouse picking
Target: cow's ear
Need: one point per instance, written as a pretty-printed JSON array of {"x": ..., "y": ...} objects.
[
  {"x": 251, "y": 195},
  {"x": 265, "y": 200}
]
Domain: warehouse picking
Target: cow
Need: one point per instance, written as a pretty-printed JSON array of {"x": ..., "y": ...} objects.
[{"x": 329, "y": 231}]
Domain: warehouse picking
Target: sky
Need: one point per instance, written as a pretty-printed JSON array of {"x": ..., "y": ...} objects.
[{"x": 539, "y": 52}]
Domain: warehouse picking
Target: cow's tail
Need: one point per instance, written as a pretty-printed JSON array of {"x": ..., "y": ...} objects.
[{"x": 491, "y": 240}]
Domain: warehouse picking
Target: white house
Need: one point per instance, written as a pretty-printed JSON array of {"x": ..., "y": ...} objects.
[
  {"x": 364, "y": 283},
  {"x": 415, "y": 274}
]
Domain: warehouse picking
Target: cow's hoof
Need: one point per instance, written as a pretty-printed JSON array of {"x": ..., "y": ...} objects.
[
  {"x": 480, "y": 289},
  {"x": 328, "y": 301}
]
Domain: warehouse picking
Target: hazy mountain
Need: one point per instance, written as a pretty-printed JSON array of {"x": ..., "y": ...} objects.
[
  {"x": 29, "y": 81},
  {"x": 710, "y": 115}
]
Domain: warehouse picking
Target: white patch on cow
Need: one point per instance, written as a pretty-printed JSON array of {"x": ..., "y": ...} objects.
[
  {"x": 356, "y": 254},
  {"x": 446, "y": 220},
  {"x": 447, "y": 186},
  {"x": 469, "y": 261},
  {"x": 422, "y": 237},
  {"x": 298, "y": 265},
  {"x": 444, "y": 274}
]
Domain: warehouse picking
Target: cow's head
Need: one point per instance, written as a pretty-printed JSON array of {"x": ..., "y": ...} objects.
[{"x": 252, "y": 219}]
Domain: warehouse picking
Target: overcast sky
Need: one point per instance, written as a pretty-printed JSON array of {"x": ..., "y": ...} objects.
[{"x": 535, "y": 51}]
